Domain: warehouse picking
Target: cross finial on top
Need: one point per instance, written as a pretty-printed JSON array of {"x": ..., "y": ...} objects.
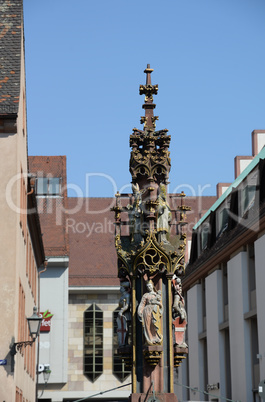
[
  {"x": 148, "y": 72},
  {"x": 148, "y": 90}
]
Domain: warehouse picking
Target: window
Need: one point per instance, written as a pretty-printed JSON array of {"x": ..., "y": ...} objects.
[
  {"x": 203, "y": 294},
  {"x": 248, "y": 198},
  {"x": 255, "y": 352},
  {"x": 248, "y": 193},
  {"x": 227, "y": 364},
  {"x": 22, "y": 322},
  {"x": 23, "y": 204},
  {"x": 120, "y": 369},
  {"x": 19, "y": 395},
  {"x": 203, "y": 361},
  {"x": 225, "y": 292},
  {"x": 93, "y": 342},
  {"x": 205, "y": 231},
  {"x": 48, "y": 186},
  {"x": 251, "y": 277},
  {"x": 223, "y": 216}
]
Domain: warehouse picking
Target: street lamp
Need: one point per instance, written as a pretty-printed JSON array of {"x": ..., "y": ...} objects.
[
  {"x": 34, "y": 328},
  {"x": 46, "y": 374},
  {"x": 34, "y": 324}
]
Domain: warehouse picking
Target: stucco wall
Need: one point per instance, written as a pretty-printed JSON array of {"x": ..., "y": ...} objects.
[
  {"x": 195, "y": 327},
  {"x": 13, "y": 160},
  {"x": 237, "y": 270},
  {"x": 78, "y": 385},
  {"x": 260, "y": 294},
  {"x": 54, "y": 297}
]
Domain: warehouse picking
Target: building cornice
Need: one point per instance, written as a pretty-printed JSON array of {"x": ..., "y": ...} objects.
[
  {"x": 93, "y": 289},
  {"x": 237, "y": 238},
  {"x": 58, "y": 261}
]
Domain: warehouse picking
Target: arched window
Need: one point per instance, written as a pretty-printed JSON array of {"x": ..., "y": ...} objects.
[
  {"x": 120, "y": 369},
  {"x": 93, "y": 342}
]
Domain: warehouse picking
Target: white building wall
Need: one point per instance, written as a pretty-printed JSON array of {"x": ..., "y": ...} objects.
[
  {"x": 243, "y": 164},
  {"x": 196, "y": 372},
  {"x": 260, "y": 141},
  {"x": 260, "y": 295},
  {"x": 54, "y": 297},
  {"x": 237, "y": 270},
  {"x": 181, "y": 381},
  {"x": 213, "y": 290}
]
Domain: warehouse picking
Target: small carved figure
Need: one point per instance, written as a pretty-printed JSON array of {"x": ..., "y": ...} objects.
[
  {"x": 124, "y": 315},
  {"x": 135, "y": 215},
  {"x": 149, "y": 312},
  {"x": 179, "y": 313},
  {"x": 179, "y": 302},
  {"x": 163, "y": 215}
]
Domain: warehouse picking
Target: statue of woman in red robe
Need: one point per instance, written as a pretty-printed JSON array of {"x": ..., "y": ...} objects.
[{"x": 149, "y": 312}]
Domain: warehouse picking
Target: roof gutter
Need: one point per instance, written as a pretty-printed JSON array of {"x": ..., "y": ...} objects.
[{"x": 245, "y": 236}]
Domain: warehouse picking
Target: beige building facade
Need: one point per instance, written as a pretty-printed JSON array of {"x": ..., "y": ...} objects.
[{"x": 21, "y": 247}]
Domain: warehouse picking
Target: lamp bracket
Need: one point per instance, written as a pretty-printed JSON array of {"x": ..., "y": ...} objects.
[{"x": 17, "y": 346}]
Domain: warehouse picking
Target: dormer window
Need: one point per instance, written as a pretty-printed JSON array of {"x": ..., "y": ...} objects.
[
  {"x": 248, "y": 193},
  {"x": 204, "y": 235},
  {"x": 223, "y": 216},
  {"x": 48, "y": 186},
  {"x": 248, "y": 198}
]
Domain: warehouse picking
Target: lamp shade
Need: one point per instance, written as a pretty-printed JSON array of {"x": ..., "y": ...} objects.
[
  {"x": 46, "y": 375},
  {"x": 34, "y": 324}
]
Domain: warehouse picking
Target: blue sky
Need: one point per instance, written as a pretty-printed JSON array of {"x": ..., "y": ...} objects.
[{"x": 85, "y": 62}]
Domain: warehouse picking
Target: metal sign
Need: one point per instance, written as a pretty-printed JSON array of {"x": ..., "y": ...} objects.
[
  {"x": 3, "y": 362},
  {"x": 46, "y": 321}
]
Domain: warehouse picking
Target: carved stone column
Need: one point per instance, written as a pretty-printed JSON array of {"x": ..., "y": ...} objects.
[{"x": 152, "y": 260}]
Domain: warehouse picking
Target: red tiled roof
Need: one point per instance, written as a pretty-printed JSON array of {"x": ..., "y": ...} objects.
[
  {"x": 93, "y": 260},
  {"x": 11, "y": 21},
  {"x": 88, "y": 224},
  {"x": 52, "y": 211},
  {"x": 53, "y": 226},
  {"x": 52, "y": 166}
]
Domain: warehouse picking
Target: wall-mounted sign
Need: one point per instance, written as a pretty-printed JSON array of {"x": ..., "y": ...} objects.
[
  {"x": 211, "y": 387},
  {"x": 262, "y": 389},
  {"x": 46, "y": 321}
]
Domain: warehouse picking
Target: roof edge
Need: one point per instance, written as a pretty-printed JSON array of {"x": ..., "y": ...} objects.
[{"x": 235, "y": 184}]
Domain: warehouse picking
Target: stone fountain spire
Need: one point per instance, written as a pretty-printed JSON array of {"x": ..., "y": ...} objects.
[
  {"x": 148, "y": 90},
  {"x": 151, "y": 260}
]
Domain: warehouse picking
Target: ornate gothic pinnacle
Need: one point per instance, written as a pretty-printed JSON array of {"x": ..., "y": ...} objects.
[{"x": 148, "y": 90}]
